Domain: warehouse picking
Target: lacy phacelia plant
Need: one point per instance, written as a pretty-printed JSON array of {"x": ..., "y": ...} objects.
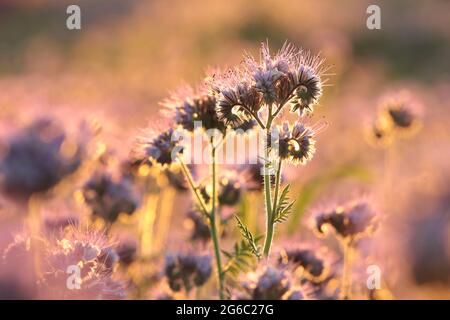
[
  {"x": 260, "y": 91},
  {"x": 253, "y": 94}
]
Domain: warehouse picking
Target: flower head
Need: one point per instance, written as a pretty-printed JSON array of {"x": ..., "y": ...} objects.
[
  {"x": 108, "y": 197},
  {"x": 200, "y": 229},
  {"x": 313, "y": 265},
  {"x": 296, "y": 143},
  {"x": 400, "y": 110},
  {"x": 187, "y": 270},
  {"x": 350, "y": 221},
  {"x": 270, "y": 283},
  {"x": 161, "y": 150},
  {"x": 398, "y": 116},
  {"x": 229, "y": 189},
  {"x": 92, "y": 254},
  {"x": 38, "y": 158},
  {"x": 290, "y": 77},
  {"x": 189, "y": 105}
]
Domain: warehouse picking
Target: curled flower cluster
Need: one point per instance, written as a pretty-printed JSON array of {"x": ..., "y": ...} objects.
[
  {"x": 108, "y": 197},
  {"x": 230, "y": 190},
  {"x": 291, "y": 77},
  {"x": 398, "y": 116},
  {"x": 296, "y": 143},
  {"x": 314, "y": 266},
  {"x": 350, "y": 221},
  {"x": 38, "y": 158},
  {"x": 161, "y": 150},
  {"x": 187, "y": 270},
  {"x": 189, "y": 106}
]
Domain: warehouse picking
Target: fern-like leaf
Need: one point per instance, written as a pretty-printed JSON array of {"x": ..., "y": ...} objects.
[
  {"x": 284, "y": 206},
  {"x": 248, "y": 237},
  {"x": 239, "y": 260}
]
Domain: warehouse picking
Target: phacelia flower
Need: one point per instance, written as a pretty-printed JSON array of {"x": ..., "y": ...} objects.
[
  {"x": 350, "y": 221},
  {"x": 273, "y": 284},
  {"x": 108, "y": 197},
  {"x": 313, "y": 265},
  {"x": 269, "y": 283},
  {"x": 229, "y": 190},
  {"x": 92, "y": 255},
  {"x": 291, "y": 77},
  {"x": 296, "y": 143},
  {"x": 127, "y": 251},
  {"x": 401, "y": 110},
  {"x": 38, "y": 158},
  {"x": 200, "y": 228},
  {"x": 189, "y": 105},
  {"x": 187, "y": 270},
  {"x": 162, "y": 150}
]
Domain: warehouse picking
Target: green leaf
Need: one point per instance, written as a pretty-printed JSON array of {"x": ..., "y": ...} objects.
[
  {"x": 239, "y": 260},
  {"x": 284, "y": 206},
  {"x": 251, "y": 241}
]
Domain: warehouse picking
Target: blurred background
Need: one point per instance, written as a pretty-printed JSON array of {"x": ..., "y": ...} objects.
[{"x": 130, "y": 54}]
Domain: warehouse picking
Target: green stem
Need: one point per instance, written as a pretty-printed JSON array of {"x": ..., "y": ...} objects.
[
  {"x": 277, "y": 185},
  {"x": 214, "y": 233},
  {"x": 267, "y": 194},
  {"x": 194, "y": 189}
]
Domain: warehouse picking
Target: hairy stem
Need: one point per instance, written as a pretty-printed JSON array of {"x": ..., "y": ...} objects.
[
  {"x": 214, "y": 232},
  {"x": 277, "y": 185},
  {"x": 193, "y": 187},
  {"x": 267, "y": 193}
]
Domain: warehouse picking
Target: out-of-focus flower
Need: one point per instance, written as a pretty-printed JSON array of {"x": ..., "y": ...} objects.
[
  {"x": 36, "y": 159},
  {"x": 92, "y": 254},
  {"x": 108, "y": 197},
  {"x": 187, "y": 270},
  {"x": 189, "y": 105},
  {"x": 296, "y": 143},
  {"x": 162, "y": 150},
  {"x": 314, "y": 266},
  {"x": 349, "y": 221},
  {"x": 398, "y": 116},
  {"x": 126, "y": 250},
  {"x": 401, "y": 110},
  {"x": 230, "y": 190},
  {"x": 200, "y": 229},
  {"x": 270, "y": 283},
  {"x": 176, "y": 177},
  {"x": 252, "y": 176}
]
